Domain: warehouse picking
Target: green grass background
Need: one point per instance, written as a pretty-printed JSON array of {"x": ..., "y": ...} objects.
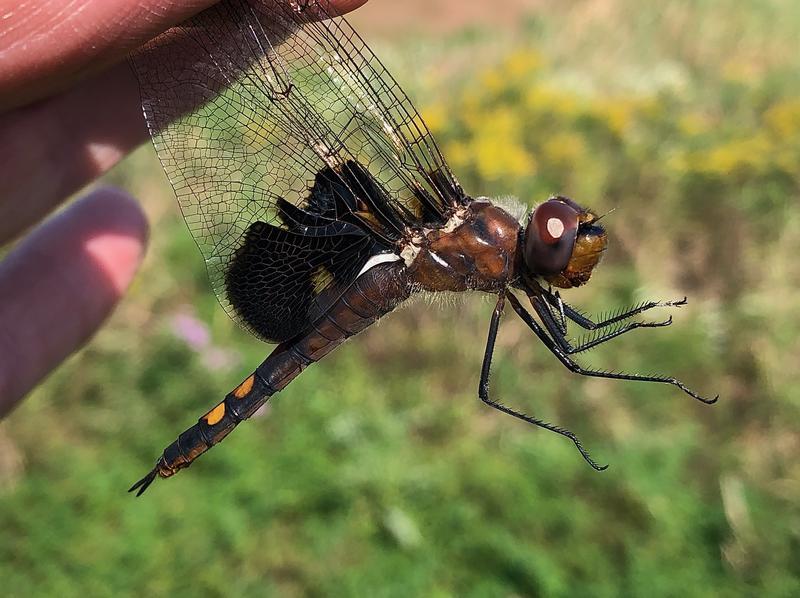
[{"x": 378, "y": 472}]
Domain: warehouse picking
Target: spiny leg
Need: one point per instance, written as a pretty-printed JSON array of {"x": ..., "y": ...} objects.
[
  {"x": 575, "y": 367},
  {"x": 558, "y": 332},
  {"x": 483, "y": 389},
  {"x": 555, "y": 301}
]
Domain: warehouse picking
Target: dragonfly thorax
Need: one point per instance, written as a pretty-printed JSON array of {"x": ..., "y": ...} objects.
[{"x": 477, "y": 250}]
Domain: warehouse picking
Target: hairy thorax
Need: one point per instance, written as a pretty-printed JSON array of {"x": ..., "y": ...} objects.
[{"x": 476, "y": 250}]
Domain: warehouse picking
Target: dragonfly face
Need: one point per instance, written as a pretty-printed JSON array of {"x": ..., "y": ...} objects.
[
  {"x": 563, "y": 243},
  {"x": 321, "y": 201}
]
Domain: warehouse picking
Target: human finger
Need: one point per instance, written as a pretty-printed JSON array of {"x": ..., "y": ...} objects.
[
  {"x": 60, "y": 283},
  {"x": 49, "y": 45}
]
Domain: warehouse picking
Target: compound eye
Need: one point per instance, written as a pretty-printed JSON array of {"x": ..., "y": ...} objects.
[
  {"x": 550, "y": 237},
  {"x": 553, "y": 219}
]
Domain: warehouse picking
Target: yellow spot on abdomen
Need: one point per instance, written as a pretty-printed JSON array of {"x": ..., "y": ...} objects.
[
  {"x": 244, "y": 388},
  {"x": 213, "y": 416}
]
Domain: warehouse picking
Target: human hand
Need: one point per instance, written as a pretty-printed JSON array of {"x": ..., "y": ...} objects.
[{"x": 69, "y": 111}]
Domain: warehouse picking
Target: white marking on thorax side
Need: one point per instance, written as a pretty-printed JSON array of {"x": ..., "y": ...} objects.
[
  {"x": 438, "y": 260},
  {"x": 455, "y": 220},
  {"x": 409, "y": 253},
  {"x": 412, "y": 248},
  {"x": 381, "y": 258}
]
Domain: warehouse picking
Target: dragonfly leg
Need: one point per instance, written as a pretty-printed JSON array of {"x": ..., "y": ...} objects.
[
  {"x": 556, "y": 303},
  {"x": 483, "y": 390},
  {"x": 557, "y": 308},
  {"x": 575, "y": 367},
  {"x": 558, "y": 331}
]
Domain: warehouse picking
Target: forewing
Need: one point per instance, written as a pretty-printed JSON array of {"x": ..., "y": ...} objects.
[{"x": 248, "y": 101}]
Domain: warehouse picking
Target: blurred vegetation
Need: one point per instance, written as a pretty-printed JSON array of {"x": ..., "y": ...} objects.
[{"x": 378, "y": 472}]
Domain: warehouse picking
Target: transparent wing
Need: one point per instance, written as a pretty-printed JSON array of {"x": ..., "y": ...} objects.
[{"x": 249, "y": 101}]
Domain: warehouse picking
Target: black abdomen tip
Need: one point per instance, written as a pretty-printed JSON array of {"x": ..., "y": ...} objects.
[{"x": 145, "y": 482}]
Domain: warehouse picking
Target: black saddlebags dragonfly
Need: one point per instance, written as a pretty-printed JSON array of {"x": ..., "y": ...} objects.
[{"x": 321, "y": 202}]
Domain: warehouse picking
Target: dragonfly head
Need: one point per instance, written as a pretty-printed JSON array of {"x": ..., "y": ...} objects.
[{"x": 563, "y": 243}]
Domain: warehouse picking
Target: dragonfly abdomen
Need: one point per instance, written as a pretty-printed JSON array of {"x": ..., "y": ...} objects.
[{"x": 377, "y": 292}]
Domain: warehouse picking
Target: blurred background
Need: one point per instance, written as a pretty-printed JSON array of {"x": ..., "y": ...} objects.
[{"x": 378, "y": 472}]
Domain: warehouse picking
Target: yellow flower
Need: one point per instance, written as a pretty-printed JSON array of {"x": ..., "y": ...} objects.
[
  {"x": 751, "y": 154},
  {"x": 514, "y": 71},
  {"x": 497, "y": 146},
  {"x": 545, "y": 100},
  {"x": 617, "y": 114},
  {"x": 458, "y": 154},
  {"x": 493, "y": 81},
  {"x": 435, "y": 116},
  {"x": 693, "y": 125},
  {"x": 521, "y": 64},
  {"x": 783, "y": 119},
  {"x": 563, "y": 149},
  {"x": 496, "y": 159},
  {"x": 471, "y": 110}
]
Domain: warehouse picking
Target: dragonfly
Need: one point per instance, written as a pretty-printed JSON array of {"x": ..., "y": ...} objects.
[{"x": 321, "y": 202}]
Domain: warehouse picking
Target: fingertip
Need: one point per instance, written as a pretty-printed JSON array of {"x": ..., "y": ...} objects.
[{"x": 116, "y": 234}]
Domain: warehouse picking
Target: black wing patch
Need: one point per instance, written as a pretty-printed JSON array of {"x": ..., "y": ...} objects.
[
  {"x": 281, "y": 280},
  {"x": 350, "y": 192}
]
